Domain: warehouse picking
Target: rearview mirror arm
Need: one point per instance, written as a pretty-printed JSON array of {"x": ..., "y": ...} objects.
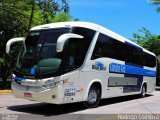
[
  {"x": 11, "y": 41},
  {"x": 61, "y": 40}
]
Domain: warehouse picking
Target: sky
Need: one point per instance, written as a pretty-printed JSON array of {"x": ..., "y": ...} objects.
[{"x": 124, "y": 17}]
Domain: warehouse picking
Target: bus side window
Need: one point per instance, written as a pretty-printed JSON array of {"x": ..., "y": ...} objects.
[{"x": 102, "y": 47}]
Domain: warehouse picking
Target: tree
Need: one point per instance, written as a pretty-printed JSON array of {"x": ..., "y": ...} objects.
[
  {"x": 157, "y": 3},
  {"x": 148, "y": 40},
  {"x": 28, "y": 13},
  {"x": 151, "y": 42},
  {"x": 18, "y": 16}
]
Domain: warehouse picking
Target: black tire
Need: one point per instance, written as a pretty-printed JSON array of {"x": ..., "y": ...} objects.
[
  {"x": 143, "y": 91},
  {"x": 93, "y": 98}
]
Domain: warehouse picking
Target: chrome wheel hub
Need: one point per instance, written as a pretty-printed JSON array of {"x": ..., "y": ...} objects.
[{"x": 92, "y": 97}]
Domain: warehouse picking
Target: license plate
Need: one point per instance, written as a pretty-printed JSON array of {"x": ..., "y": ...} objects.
[{"x": 29, "y": 95}]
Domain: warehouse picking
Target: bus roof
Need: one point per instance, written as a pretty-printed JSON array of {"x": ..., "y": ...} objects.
[
  {"x": 67, "y": 24},
  {"x": 90, "y": 26}
]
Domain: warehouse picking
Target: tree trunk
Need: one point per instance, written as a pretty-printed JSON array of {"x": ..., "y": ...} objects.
[{"x": 31, "y": 15}]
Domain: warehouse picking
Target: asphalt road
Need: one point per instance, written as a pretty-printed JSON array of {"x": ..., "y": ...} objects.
[{"x": 109, "y": 109}]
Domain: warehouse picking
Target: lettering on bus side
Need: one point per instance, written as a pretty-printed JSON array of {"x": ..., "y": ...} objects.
[
  {"x": 69, "y": 91},
  {"x": 129, "y": 69},
  {"x": 118, "y": 68}
]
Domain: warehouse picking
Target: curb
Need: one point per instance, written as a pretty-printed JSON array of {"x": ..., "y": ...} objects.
[{"x": 5, "y": 91}]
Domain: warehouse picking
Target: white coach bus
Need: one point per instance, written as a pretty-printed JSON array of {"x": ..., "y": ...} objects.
[{"x": 78, "y": 61}]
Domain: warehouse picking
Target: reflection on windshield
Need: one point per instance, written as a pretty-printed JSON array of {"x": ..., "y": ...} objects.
[
  {"x": 39, "y": 55},
  {"x": 25, "y": 58}
]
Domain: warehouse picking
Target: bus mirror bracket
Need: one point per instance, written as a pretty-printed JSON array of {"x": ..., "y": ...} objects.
[
  {"x": 61, "y": 40},
  {"x": 11, "y": 41}
]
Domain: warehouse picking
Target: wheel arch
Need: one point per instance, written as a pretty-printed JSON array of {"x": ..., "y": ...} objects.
[{"x": 96, "y": 83}]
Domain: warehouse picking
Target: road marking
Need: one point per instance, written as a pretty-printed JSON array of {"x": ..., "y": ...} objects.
[
  {"x": 108, "y": 117},
  {"x": 5, "y": 91}
]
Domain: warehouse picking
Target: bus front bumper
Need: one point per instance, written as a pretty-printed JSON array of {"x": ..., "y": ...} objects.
[{"x": 37, "y": 93}]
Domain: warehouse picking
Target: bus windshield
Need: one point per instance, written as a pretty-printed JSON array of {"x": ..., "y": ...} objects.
[{"x": 39, "y": 56}]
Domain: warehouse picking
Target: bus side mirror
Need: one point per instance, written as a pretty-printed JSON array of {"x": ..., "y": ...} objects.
[
  {"x": 61, "y": 40},
  {"x": 11, "y": 41}
]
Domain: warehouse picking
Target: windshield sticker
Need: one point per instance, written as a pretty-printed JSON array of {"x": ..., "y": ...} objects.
[
  {"x": 33, "y": 71},
  {"x": 99, "y": 66}
]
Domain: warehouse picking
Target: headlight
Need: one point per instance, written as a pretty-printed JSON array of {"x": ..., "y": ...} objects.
[{"x": 50, "y": 84}]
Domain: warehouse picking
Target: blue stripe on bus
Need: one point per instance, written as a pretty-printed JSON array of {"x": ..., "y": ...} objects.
[
  {"x": 136, "y": 71},
  {"x": 128, "y": 69},
  {"x": 130, "y": 44},
  {"x": 133, "y": 88},
  {"x": 132, "y": 64}
]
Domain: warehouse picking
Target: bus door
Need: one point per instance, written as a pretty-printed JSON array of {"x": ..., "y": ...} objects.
[{"x": 75, "y": 78}]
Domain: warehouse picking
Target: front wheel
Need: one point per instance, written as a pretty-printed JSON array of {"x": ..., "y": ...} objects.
[{"x": 93, "y": 98}]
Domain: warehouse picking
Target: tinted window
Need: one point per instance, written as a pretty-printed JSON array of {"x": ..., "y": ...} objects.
[
  {"x": 77, "y": 48},
  {"x": 111, "y": 48},
  {"x": 49, "y": 41}
]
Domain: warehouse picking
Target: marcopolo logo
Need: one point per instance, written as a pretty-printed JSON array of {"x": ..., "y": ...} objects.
[{"x": 98, "y": 66}]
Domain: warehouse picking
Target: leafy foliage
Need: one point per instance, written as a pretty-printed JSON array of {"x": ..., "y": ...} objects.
[
  {"x": 157, "y": 3},
  {"x": 148, "y": 40},
  {"x": 61, "y": 17},
  {"x": 18, "y": 16}
]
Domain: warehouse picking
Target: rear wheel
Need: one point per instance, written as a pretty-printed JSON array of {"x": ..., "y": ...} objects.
[
  {"x": 93, "y": 98},
  {"x": 143, "y": 91}
]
